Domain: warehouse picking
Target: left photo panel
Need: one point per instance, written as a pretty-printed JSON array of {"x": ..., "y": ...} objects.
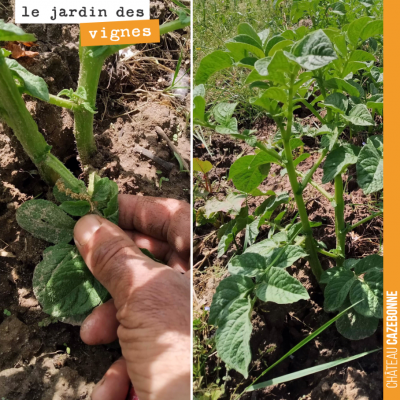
[{"x": 95, "y": 220}]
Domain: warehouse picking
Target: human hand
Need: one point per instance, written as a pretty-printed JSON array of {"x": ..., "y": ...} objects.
[{"x": 150, "y": 309}]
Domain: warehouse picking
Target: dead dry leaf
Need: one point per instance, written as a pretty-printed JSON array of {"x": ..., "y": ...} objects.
[{"x": 18, "y": 52}]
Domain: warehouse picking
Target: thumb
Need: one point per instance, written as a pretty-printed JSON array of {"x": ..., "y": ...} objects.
[{"x": 113, "y": 258}]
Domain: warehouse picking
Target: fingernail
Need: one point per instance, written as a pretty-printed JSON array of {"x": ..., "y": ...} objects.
[{"x": 85, "y": 228}]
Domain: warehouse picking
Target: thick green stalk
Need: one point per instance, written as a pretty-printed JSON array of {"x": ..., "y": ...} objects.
[
  {"x": 340, "y": 225},
  {"x": 89, "y": 76},
  {"x": 25, "y": 129},
  {"x": 291, "y": 170}
]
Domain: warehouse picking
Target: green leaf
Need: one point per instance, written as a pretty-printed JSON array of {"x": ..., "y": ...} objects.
[
  {"x": 272, "y": 42},
  {"x": 12, "y": 33},
  {"x": 199, "y": 90},
  {"x": 361, "y": 55},
  {"x": 245, "y": 173},
  {"x": 248, "y": 264},
  {"x": 64, "y": 285},
  {"x": 337, "y": 289},
  {"x": 202, "y": 166},
  {"x": 233, "y": 336},
  {"x": 246, "y": 29},
  {"x": 314, "y": 51},
  {"x": 276, "y": 94},
  {"x": 33, "y": 85},
  {"x": 230, "y": 129},
  {"x": 5, "y": 52},
  {"x": 355, "y": 28},
  {"x": 328, "y": 274},
  {"x": 66, "y": 92},
  {"x": 88, "y": 107},
  {"x": 272, "y": 203},
  {"x": 52, "y": 257},
  {"x": 199, "y": 108},
  {"x": 369, "y": 294},
  {"x": 360, "y": 116},
  {"x": 46, "y": 221},
  {"x": 253, "y": 262},
  {"x": 76, "y": 208},
  {"x": 226, "y": 235},
  {"x": 287, "y": 256},
  {"x": 280, "y": 46},
  {"x": 280, "y": 287},
  {"x": 278, "y": 68},
  {"x": 340, "y": 44},
  {"x": 212, "y": 63},
  {"x": 338, "y": 160},
  {"x": 338, "y": 8},
  {"x": 289, "y": 34},
  {"x": 354, "y": 326},
  {"x": 301, "y": 158},
  {"x": 373, "y": 28},
  {"x": 337, "y": 102},
  {"x": 223, "y": 113},
  {"x": 261, "y": 69},
  {"x": 370, "y": 168},
  {"x": 341, "y": 84},
  {"x": 363, "y": 265},
  {"x": 229, "y": 290},
  {"x": 61, "y": 195},
  {"x": 111, "y": 211},
  {"x": 101, "y": 192},
  {"x": 241, "y": 44},
  {"x": 233, "y": 202},
  {"x": 263, "y": 35},
  {"x": 81, "y": 93}
]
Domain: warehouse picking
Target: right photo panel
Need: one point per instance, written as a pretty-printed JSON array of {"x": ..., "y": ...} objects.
[{"x": 288, "y": 200}]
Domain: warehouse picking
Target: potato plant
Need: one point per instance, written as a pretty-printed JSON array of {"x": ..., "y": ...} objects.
[
  {"x": 324, "y": 69},
  {"x": 62, "y": 283},
  {"x": 324, "y": 13}
]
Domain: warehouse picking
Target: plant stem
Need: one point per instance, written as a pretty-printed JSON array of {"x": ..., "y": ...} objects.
[
  {"x": 320, "y": 81},
  {"x": 25, "y": 129},
  {"x": 326, "y": 253},
  {"x": 340, "y": 225},
  {"x": 311, "y": 172},
  {"x": 310, "y": 245},
  {"x": 271, "y": 152},
  {"x": 311, "y": 108},
  {"x": 363, "y": 221},
  {"x": 317, "y": 186},
  {"x": 89, "y": 76},
  {"x": 60, "y": 102}
]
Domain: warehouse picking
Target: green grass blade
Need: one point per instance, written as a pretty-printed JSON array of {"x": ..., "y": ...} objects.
[
  {"x": 307, "y": 371},
  {"x": 303, "y": 342}
]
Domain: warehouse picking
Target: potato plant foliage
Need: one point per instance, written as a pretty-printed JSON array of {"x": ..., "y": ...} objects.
[
  {"x": 332, "y": 69},
  {"x": 62, "y": 282}
]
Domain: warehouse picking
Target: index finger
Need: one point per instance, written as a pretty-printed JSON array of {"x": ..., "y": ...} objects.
[{"x": 160, "y": 218}]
